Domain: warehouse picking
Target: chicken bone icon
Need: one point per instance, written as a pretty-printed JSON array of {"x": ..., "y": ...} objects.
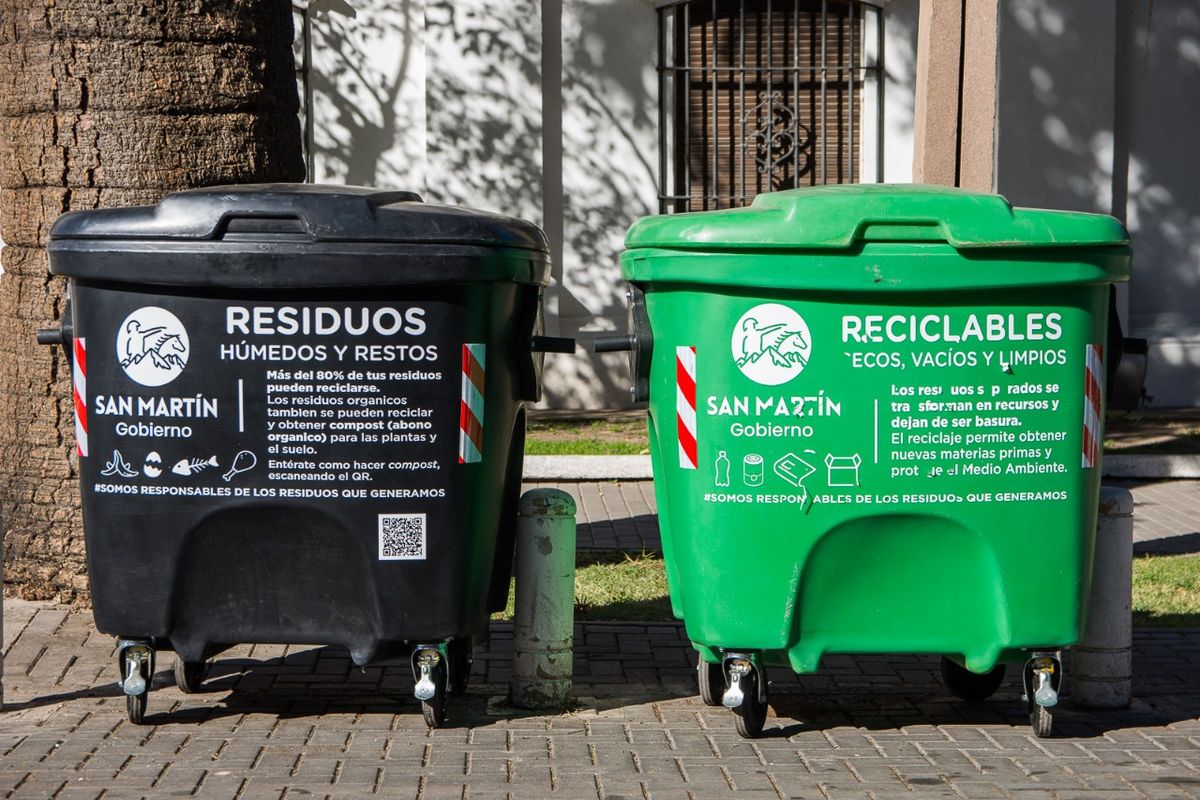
[{"x": 242, "y": 462}]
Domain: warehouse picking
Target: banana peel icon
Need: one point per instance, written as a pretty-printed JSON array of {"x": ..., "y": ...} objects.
[{"x": 118, "y": 466}]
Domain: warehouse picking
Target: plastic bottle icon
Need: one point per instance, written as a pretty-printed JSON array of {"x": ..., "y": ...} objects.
[
  {"x": 722, "y": 469},
  {"x": 752, "y": 470}
]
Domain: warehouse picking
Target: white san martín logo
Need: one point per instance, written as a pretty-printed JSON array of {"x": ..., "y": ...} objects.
[
  {"x": 771, "y": 344},
  {"x": 152, "y": 346}
]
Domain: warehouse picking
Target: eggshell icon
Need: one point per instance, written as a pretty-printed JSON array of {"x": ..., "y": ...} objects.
[{"x": 153, "y": 465}]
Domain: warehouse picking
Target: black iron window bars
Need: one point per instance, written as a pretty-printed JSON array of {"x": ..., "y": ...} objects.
[{"x": 762, "y": 95}]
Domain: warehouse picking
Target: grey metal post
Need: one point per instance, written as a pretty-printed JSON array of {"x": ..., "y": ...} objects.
[
  {"x": 1102, "y": 663},
  {"x": 543, "y": 628}
]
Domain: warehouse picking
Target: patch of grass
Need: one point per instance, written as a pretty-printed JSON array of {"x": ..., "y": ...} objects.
[
  {"x": 616, "y": 586},
  {"x": 581, "y": 446},
  {"x": 596, "y": 437},
  {"x": 611, "y": 585},
  {"x": 1166, "y": 591}
]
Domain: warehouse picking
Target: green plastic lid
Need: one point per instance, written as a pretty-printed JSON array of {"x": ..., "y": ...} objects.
[{"x": 834, "y": 217}]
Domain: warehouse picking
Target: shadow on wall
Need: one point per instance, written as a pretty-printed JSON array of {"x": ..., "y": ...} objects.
[
  {"x": 495, "y": 142},
  {"x": 1056, "y": 131},
  {"x": 484, "y": 104},
  {"x": 1164, "y": 188},
  {"x": 610, "y": 165},
  {"x": 900, "y": 76},
  {"x": 1064, "y": 144},
  {"x": 610, "y": 179},
  {"x": 368, "y": 93}
]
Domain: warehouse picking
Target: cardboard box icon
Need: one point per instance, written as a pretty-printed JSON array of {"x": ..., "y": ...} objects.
[{"x": 842, "y": 470}]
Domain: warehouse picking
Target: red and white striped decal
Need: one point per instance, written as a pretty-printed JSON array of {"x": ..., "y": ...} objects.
[
  {"x": 470, "y": 415},
  {"x": 685, "y": 405},
  {"x": 79, "y": 382},
  {"x": 1092, "y": 381}
]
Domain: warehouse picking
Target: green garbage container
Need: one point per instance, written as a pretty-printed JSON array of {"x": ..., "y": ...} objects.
[{"x": 875, "y": 417}]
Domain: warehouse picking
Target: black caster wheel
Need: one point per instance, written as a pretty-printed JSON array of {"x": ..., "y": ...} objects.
[
  {"x": 971, "y": 686},
  {"x": 434, "y": 709},
  {"x": 1041, "y": 719},
  {"x": 711, "y": 680},
  {"x": 751, "y": 715},
  {"x": 189, "y": 675},
  {"x": 460, "y": 655},
  {"x": 135, "y": 706}
]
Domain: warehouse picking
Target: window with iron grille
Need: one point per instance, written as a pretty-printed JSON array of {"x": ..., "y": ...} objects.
[{"x": 763, "y": 95}]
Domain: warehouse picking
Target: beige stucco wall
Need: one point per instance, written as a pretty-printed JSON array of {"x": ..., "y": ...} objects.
[{"x": 1098, "y": 112}]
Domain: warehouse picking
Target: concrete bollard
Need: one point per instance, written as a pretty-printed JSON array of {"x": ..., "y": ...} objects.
[
  {"x": 1101, "y": 673},
  {"x": 544, "y": 626}
]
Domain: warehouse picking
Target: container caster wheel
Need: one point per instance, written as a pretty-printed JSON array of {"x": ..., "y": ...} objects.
[
  {"x": 135, "y": 707},
  {"x": 136, "y": 660},
  {"x": 971, "y": 686},
  {"x": 189, "y": 675},
  {"x": 1042, "y": 677},
  {"x": 746, "y": 694},
  {"x": 751, "y": 715},
  {"x": 434, "y": 709},
  {"x": 711, "y": 680},
  {"x": 460, "y": 654},
  {"x": 432, "y": 674},
  {"x": 1041, "y": 719}
]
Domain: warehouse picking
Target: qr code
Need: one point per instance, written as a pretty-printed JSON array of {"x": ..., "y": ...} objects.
[{"x": 401, "y": 537}]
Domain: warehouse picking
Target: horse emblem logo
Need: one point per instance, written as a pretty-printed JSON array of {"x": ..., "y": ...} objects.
[
  {"x": 771, "y": 344},
  {"x": 152, "y": 346}
]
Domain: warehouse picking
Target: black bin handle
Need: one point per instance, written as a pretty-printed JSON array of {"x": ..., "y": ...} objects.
[
  {"x": 614, "y": 344},
  {"x": 551, "y": 344}
]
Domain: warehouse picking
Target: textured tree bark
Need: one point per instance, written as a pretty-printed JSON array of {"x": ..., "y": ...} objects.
[{"x": 110, "y": 103}]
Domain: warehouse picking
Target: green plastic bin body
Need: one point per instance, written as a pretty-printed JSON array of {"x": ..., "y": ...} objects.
[{"x": 875, "y": 419}]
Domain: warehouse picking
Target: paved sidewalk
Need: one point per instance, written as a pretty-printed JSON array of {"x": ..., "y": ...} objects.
[{"x": 300, "y": 721}]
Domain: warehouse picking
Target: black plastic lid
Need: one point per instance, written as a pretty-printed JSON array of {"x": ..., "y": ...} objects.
[{"x": 318, "y": 213}]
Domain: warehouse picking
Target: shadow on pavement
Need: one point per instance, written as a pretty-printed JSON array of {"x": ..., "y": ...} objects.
[
  {"x": 323, "y": 681},
  {"x": 162, "y": 678},
  {"x": 636, "y": 534},
  {"x": 1179, "y": 544}
]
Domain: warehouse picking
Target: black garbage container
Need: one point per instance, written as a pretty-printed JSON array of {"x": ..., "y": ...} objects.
[{"x": 300, "y": 414}]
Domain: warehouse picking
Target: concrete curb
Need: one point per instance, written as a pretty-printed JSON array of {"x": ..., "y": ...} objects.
[
  {"x": 1144, "y": 466},
  {"x": 588, "y": 468},
  {"x": 637, "y": 468}
]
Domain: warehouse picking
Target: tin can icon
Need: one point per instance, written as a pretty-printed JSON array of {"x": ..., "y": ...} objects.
[{"x": 752, "y": 470}]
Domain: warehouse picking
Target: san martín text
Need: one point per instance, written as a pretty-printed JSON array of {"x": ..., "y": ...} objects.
[{"x": 149, "y": 410}]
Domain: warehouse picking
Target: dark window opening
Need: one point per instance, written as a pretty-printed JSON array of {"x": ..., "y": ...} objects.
[{"x": 762, "y": 95}]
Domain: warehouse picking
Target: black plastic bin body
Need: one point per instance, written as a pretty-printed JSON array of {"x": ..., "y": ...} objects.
[{"x": 300, "y": 413}]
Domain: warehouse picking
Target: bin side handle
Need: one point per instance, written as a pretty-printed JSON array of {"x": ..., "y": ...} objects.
[{"x": 551, "y": 344}]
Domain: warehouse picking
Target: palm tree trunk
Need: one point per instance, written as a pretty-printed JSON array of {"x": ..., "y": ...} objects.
[{"x": 107, "y": 103}]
